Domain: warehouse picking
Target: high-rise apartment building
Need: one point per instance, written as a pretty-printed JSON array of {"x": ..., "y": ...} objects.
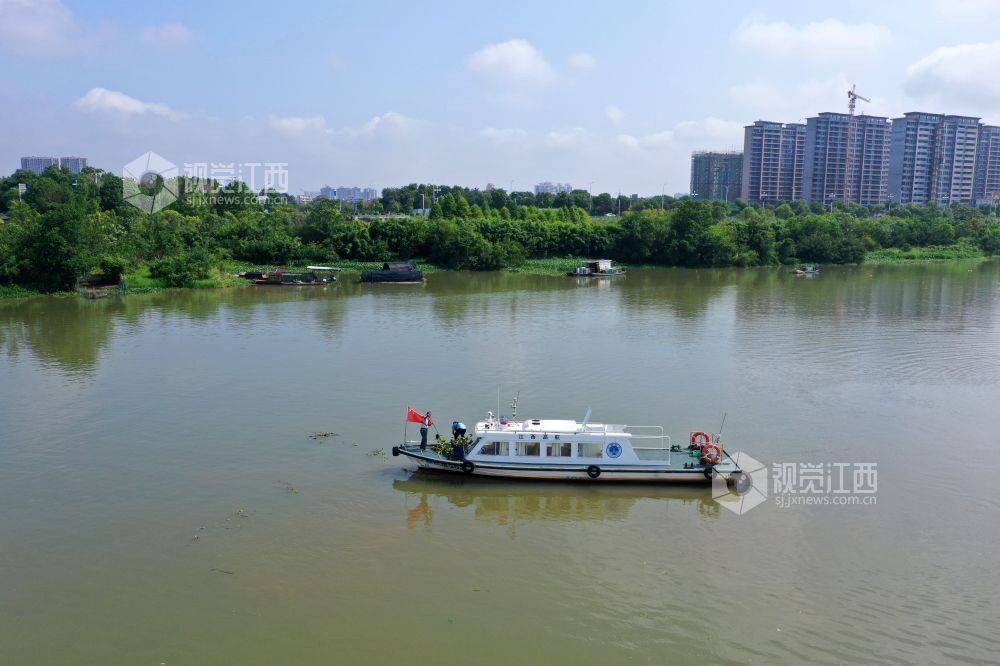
[
  {"x": 552, "y": 188},
  {"x": 348, "y": 193},
  {"x": 38, "y": 164},
  {"x": 826, "y": 159},
  {"x": 986, "y": 185},
  {"x": 933, "y": 158},
  {"x": 773, "y": 155},
  {"x": 74, "y": 164},
  {"x": 717, "y": 176}
]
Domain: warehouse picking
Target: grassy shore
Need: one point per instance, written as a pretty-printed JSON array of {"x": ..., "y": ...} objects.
[
  {"x": 958, "y": 251},
  {"x": 139, "y": 280}
]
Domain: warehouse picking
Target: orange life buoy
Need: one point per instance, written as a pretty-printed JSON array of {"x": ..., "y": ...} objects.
[
  {"x": 711, "y": 454},
  {"x": 700, "y": 439}
]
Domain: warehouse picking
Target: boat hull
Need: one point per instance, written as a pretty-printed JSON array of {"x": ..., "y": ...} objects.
[{"x": 573, "y": 472}]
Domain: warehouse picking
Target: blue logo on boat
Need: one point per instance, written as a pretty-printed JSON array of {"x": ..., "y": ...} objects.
[{"x": 614, "y": 450}]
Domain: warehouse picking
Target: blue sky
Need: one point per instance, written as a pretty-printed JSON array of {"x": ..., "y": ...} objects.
[{"x": 379, "y": 94}]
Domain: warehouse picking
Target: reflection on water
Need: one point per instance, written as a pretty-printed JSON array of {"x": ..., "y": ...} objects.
[
  {"x": 505, "y": 503},
  {"x": 951, "y": 298}
]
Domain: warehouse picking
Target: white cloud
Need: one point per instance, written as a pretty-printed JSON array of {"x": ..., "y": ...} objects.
[
  {"x": 390, "y": 120},
  {"x": 629, "y": 141},
  {"x": 614, "y": 114},
  {"x": 582, "y": 61},
  {"x": 767, "y": 101},
  {"x": 36, "y": 27},
  {"x": 659, "y": 139},
  {"x": 566, "y": 139},
  {"x": 99, "y": 100},
  {"x": 708, "y": 133},
  {"x": 297, "y": 124},
  {"x": 814, "y": 41},
  {"x": 505, "y": 135},
  {"x": 168, "y": 35},
  {"x": 710, "y": 130},
  {"x": 513, "y": 61},
  {"x": 966, "y": 73}
]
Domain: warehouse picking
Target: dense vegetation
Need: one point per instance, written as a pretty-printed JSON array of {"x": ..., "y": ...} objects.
[{"x": 68, "y": 225}]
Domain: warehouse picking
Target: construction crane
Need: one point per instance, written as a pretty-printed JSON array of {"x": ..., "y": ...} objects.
[{"x": 852, "y": 103}]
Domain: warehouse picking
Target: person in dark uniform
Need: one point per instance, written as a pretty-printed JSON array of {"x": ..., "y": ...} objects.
[{"x": 424, "y": 424}]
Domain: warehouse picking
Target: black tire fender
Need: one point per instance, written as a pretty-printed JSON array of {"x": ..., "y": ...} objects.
[
  {"x": 395, "y": 451},
  {"x": 710, "y": 473},
  {"x": 468, "y": 466},
  {"x": 593, "y": 471},
  {"x": 740, "y": 483}
]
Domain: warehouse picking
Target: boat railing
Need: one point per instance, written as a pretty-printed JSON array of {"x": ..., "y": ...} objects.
[{"x": 650, "y": 452}]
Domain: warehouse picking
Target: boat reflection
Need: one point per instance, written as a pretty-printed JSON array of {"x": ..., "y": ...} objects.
[{"x": 504, "y": 503}]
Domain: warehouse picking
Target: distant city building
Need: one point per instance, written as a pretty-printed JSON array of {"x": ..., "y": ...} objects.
[
  {"x": 349, "y": 193},
  {"x": 38, "y": 164},
  {"x": 74, "y": 164},
  {"x": 987, "y": 180},
  {"x": 933, "y": 158},
  {"x": 717, "y": 176},
  {"x": 825, "y": 164},
  {"x": 552, "y": 188},
  {"x": 773, "y": 155}
]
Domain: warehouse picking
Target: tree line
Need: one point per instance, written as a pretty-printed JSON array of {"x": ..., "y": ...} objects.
[{"x": 67, "y": 225}]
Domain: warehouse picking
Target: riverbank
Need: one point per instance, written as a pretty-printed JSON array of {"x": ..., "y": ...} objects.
[{"x": 139, "y": 280}]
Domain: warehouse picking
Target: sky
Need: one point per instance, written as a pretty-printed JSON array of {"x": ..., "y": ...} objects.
[{"x": 606, "y": 96}]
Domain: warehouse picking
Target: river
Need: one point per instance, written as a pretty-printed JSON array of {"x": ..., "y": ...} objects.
[{"x": 163, "y": 500}]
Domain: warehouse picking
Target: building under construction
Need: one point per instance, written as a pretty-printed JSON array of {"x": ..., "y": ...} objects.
[
  {"x": 847, "y": 159},
  {"x": 717, "y": 176}
]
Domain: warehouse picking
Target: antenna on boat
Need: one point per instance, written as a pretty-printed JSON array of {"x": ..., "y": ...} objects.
[
  {"x": 586, "y": 418},
  {"x": 499, "y": 387},
  {"x": 722, "y": 425},
  {"x": 513, "y": 406}
]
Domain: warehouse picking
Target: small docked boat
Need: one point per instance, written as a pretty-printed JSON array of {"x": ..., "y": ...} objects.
[
  {"x": 398, "y": 271},
  {"x": 807, "y": 269},
  {"x": 282, "y": 278},
  {"x": 577, "y": 451},
  {"x": 598, "y": 268}
]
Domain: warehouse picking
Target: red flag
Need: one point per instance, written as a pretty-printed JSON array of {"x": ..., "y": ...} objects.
[{"x": 413, "y": 416}]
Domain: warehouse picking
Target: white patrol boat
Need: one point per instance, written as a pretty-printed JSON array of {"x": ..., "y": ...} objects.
[{"x": 571, "y": 450}]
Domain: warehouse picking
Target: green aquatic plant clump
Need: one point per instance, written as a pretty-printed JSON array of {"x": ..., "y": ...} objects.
[
  {"x": 444, "y": 447},
  {"x": 893, "y": 255}
]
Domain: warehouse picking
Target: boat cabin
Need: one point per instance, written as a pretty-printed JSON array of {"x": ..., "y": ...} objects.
[
  {"x": 538, "y": 440},
  {"x": 600, "y": 266},
  {"x": 596, "y": 268},
  {"x": 394, "y": 271}
]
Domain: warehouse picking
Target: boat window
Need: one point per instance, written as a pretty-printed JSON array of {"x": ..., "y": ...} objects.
[
  {"x": 529, "y": 448},
  {"x": 495, "y": 449},
  {"x": 559, "y": 449},
  {"x": 590, "y": 450}
]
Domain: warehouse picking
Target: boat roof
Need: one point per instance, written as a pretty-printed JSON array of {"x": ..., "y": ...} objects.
[{"x": 551, "y": 426}]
